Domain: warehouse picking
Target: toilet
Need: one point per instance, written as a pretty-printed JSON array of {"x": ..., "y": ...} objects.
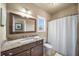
[{"x": 47, "y": 49}]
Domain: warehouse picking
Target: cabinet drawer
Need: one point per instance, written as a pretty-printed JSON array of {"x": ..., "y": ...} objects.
[
  {"x": 25, "y": 53},
  {"x": 15, "y": 51},
  {"x": 11, "y": 52}
]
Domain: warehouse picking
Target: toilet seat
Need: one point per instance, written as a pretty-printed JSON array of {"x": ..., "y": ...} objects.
[{"x": 48, "y": 45}]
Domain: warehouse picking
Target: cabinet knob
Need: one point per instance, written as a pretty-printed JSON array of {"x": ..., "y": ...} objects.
[{"x": 10, "y": 54}]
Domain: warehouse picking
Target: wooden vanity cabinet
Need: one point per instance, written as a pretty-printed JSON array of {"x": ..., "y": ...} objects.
[
  {"x": 24, "y": 53},
  {"x": 31, "y": 49}
]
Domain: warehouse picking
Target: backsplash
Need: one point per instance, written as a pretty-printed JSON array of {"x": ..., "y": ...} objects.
[{"x": 18, "y": 36}]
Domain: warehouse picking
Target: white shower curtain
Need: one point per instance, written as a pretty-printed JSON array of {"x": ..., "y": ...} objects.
[{"x": 62, "y": 34}]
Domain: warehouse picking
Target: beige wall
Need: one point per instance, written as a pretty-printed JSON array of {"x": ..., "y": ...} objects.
[
  {"x": 35, "y": 11},
  {"x": 65, "y": 12}
]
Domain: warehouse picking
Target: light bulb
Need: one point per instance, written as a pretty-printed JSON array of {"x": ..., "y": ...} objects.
[{"x": 29, "y": 12}]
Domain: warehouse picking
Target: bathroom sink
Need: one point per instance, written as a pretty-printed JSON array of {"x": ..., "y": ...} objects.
[{"x": 26, "y": 40}]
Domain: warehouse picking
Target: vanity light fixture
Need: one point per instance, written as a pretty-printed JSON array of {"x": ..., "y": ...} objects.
[
  {"x": 25, "y": 13},
  {"x": 29, "y": 12},
  {"x": 22, "y": 10}
]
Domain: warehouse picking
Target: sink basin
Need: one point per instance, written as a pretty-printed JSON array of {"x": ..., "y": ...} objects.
[{"x": 27, "y": 40}]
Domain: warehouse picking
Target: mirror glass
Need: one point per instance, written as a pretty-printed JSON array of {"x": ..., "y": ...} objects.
[{"x": 22, "y": 24}]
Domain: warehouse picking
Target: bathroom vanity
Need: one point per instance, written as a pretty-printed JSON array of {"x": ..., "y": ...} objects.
[
  {"x": 34, "y": 48},
  {"x": 22, "y": 46}
]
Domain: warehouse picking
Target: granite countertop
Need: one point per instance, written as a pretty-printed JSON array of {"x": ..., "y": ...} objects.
[{"x": 19, "y": 42}]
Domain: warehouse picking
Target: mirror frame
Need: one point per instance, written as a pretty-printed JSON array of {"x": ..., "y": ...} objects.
[{"x": 11, "y": 22}]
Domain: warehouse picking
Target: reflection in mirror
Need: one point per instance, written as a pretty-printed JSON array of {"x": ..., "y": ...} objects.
[{"x": 22, "y": 24}]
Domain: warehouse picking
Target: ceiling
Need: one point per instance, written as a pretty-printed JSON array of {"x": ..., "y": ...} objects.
[{"x": 53, "y": 7}]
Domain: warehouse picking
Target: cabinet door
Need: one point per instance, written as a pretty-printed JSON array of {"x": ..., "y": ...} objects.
[
  {"x": 37, "y": 51},
  {"x": 24, "y": 53}
]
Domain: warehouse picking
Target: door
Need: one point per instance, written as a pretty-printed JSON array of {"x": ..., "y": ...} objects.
[{"x": 37, "y": 51}]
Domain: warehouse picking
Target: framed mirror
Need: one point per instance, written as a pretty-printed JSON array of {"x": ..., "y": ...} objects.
[{"x": 19, "y": 24}]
